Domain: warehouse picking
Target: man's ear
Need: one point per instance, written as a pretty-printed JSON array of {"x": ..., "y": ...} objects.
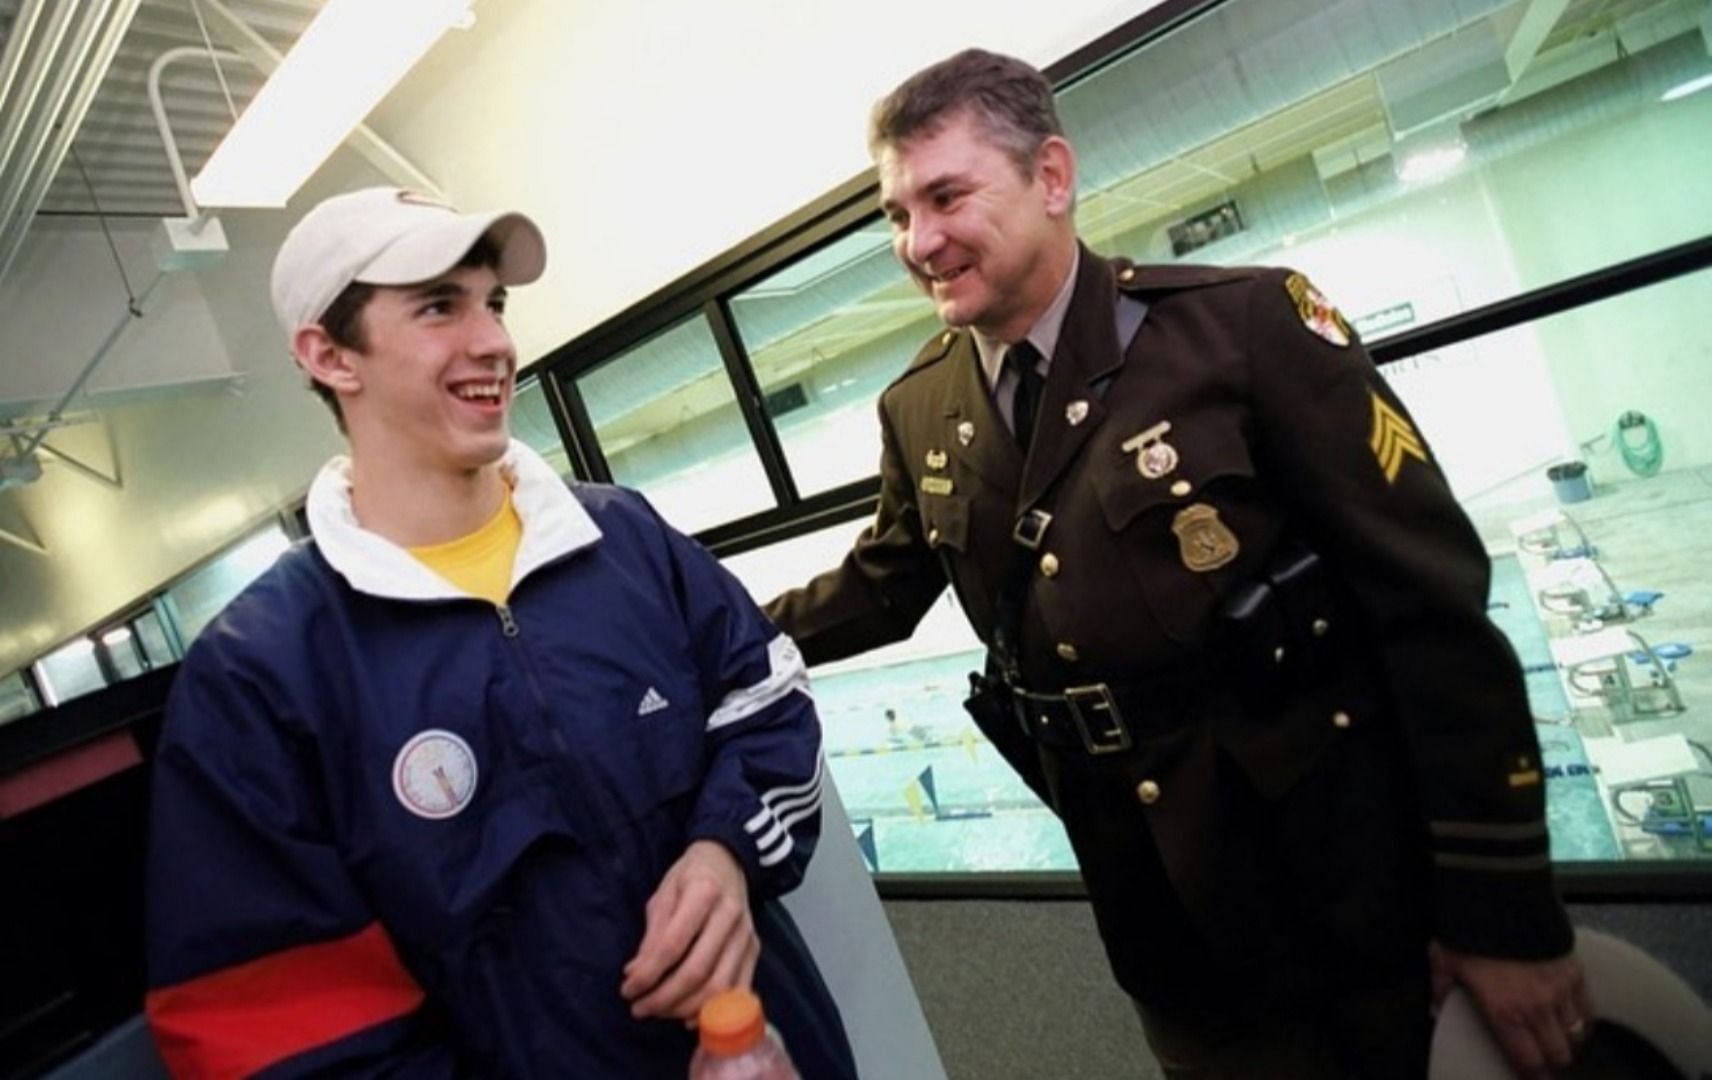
[
  {"x": 1055, "y": 168},
  {"x": 325, "y": 361}
]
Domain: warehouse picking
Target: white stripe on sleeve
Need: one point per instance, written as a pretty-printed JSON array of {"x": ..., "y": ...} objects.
[
  {"x": 786, "y": 674},
  {"x": 780, "y": 809}
]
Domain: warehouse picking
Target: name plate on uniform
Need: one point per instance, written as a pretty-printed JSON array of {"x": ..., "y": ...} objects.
[{"x": 936, "y": 485}]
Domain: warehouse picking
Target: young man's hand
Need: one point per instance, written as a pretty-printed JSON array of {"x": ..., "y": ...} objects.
[
  {"x": 699, "y": 938},
  {"x": 1539, "y": 1011}
]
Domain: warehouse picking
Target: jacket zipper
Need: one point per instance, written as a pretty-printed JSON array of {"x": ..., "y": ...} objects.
[
  {"x": 576, "y": 807},
  {"x": 512, "y": 632}
]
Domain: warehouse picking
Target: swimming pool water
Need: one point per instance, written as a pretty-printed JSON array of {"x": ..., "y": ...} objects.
[{"x": 927, "y": 793}]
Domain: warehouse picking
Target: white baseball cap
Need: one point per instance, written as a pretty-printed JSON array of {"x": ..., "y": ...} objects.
[{"x": 390, "y": 236}]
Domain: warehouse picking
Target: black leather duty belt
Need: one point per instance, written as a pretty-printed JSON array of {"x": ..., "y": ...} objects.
[
  {"x": 1085, "y": 718},
  {"x": 1100, "y": 718}
]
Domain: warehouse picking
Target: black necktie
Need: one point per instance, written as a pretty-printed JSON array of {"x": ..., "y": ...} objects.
[{"x": 1024, "y": 360}]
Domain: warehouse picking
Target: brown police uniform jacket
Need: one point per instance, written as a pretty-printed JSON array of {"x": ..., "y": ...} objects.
[{"x": 1308, "y": 797}]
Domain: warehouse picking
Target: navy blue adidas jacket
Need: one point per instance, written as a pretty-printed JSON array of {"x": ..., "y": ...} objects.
[{"x": 400, "y": 831}]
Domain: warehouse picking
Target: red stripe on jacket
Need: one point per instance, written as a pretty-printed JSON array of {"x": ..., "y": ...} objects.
[{"x": 242, "y": 1019}]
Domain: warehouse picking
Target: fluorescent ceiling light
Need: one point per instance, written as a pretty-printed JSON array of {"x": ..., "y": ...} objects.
[
  {"x": 349, "y": 58},
  {"x": 1692, "y": 86},
  {"x": 1431, "y": 163}
]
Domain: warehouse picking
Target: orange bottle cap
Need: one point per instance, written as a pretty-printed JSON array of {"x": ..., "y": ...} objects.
[{"x": 731, "y": 1022}]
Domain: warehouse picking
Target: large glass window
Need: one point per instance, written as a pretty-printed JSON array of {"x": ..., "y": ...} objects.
[
  {"x": 825, "y": 335},
  {"x": 1585, "y": 466},
  {"x": 667, "y": 420},
  {"x": 532, "y": 425},
  {"x": 1415, "y": 159},
  {"x": 124, "y": 652},
  {"x": 70, "y": 671},
  {"x": 17, "y": 699},
  {"x": 152, "y": 638},
  {"x": 194, "y": 601},
  {"x": 924, "y": 789}
]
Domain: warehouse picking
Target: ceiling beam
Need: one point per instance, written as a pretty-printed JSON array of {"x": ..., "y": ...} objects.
[
  {"x": 86, "y": 470},
  {"x": 22, "y": 427},
  {"x": 1538, "y": 20},
  {"x": 15, "y": 529}
]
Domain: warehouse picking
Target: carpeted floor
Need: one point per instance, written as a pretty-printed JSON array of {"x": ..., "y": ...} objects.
[{"x": 1019, "y": 990}]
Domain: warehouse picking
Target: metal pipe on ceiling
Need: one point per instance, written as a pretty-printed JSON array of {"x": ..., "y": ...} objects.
[
  {"x": 17, "y": 41},
  {"x": 21, "y": 109},
  {"x": 98, "y": 42},
  {"x": 65, "y": 74},
  {"x": 173, "y": 158},
  {"x": 58, "y": 411},
  {"x": 53, "y": 71},
  {"x": 71, "y": 116}
]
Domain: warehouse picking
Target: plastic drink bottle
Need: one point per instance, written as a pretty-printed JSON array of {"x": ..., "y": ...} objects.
[{"x": 737, "y": 1043}]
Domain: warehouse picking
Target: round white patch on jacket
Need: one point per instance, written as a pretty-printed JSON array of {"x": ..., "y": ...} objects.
[{"x": 434, "y": 775}]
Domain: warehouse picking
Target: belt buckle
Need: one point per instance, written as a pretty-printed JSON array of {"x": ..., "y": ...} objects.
[
  {"x": 1112, "y": 735},
  {"x": 1030, "y": 529}
]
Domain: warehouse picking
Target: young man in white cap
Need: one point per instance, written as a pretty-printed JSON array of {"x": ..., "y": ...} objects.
[{"x": 496, "y": 776}]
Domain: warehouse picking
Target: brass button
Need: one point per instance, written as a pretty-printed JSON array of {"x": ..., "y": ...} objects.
[
  {"x": 945, "y": 338},
  {"x": 1182, "y": 488},
  {"x": 1067, "y": 651},
  {"x": 1127, "y": 274},
  {"x": 1340, "y": 719},
  {"x": 1049, "y": 564},
  {"x": 1320, "y": 627},
  {"x": 933, "y": 537},
  {"x": 1148, "y": 792},
  {"x": 1278, "y": 655}
]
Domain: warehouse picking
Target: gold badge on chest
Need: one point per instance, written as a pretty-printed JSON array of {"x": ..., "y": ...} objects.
[{"x": 1204, "y": 542}]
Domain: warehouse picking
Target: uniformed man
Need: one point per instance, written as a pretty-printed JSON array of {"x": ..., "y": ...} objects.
[{"x": 1235, "y": 617}]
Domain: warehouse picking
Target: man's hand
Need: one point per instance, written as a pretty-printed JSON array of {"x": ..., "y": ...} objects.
[
  {"x": 699, "y": 938},
  {"x": 1538, "y": 1010}
]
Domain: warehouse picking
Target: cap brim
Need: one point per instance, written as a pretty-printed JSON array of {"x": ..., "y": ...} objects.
[
  {"x": 426, "y": 253},
  {"x": 522, "y": 248}
]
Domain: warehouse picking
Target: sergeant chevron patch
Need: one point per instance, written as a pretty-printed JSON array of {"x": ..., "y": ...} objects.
[{"x": 1393, "y": 437}]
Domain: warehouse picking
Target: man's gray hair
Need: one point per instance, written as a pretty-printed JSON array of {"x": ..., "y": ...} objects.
[{"x": 1011, "y": 99}]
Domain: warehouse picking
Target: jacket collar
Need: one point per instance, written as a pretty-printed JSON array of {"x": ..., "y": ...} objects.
[
  {"x": 554, "y": 524},
  {"x": 989, "y": 448},
  {"x": 1087, "y": 353}
]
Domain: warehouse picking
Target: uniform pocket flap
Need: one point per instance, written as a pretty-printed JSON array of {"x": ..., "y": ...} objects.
[
  {"x": 945, "y": 521},
  {"x": 1125, "y": 492}
]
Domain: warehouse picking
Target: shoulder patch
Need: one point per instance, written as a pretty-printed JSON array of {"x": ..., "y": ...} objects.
[{"x": 1316, "y": 312}]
